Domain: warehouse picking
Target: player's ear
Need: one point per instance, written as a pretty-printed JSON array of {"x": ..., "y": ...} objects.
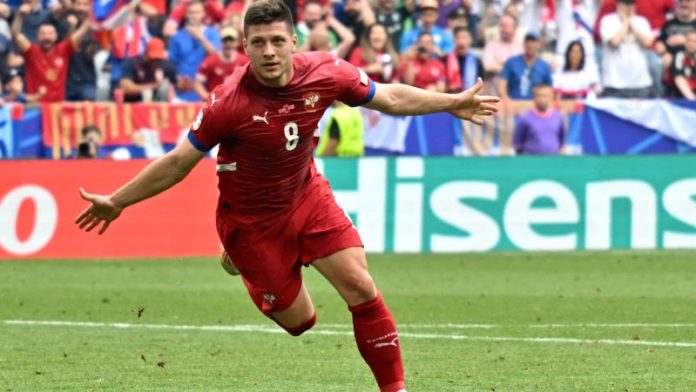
[
  {"x": 294, "y": 42},
  {"x": 244, "y": 44}
]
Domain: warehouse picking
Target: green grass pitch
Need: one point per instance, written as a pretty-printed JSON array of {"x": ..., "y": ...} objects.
[{"x": 615, "y": 321}]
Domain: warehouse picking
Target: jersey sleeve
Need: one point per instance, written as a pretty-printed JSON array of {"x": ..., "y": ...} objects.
[
  {"x": 207, "y": 128},
  {"x": 353, "y": 85}
]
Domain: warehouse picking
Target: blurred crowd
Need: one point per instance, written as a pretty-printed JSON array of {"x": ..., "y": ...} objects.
[{"x": 179, "y": 50}]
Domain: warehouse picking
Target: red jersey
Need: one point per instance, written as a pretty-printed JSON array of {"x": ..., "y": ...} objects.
[
  {"x": 214, "y": 69},
  {"x": 266, "y": 134},
  {"x": 426, "y": 72},
  {"x": 48, "y": 69}
]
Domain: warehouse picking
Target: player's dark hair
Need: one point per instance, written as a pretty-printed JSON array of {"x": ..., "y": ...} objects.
[
  {"x": 48, "y": 23},
  {"x": 263, "y": 12}
]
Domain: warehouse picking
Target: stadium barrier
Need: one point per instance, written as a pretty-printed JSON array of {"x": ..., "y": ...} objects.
[
  {"x": 600, "y": 127},
  {"x": 407, "y": 204}
]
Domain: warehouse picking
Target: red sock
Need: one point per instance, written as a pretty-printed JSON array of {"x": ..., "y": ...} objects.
[{"x": 378, "y": 342}]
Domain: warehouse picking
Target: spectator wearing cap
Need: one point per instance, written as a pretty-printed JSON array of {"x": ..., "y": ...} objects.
[
  {"x": 217, "y": 66},
  {"x": 151, "y": 77},
  {"x": 13, "y": 89},
  {"x": 522, "y": 73},
  {"x": 541, "y": 130},
  {"x": 684, "y": 69},
  {"x": 393, "y": 17},
  {"x": 445, "y": 9},
  {"x": 625, "y": 37},
  {"x": 376, "y": 55},
  {"x": 458, "y": 17},
  {"x": 189, "y": 46},
  {"x": 428, "y": 14},
  {"x": 46, "y": 62},
  {"x": 213, "y": 13},
  {"x": 421, "y": 69},
  {"x": 463, "y": 67}
]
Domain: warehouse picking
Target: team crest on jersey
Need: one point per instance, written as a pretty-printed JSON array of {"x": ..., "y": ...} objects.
[
  {"x": 311, "y": 101},
  {"x": 197, "y": 122}
]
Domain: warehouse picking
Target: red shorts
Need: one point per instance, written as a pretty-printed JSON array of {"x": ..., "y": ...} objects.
[{"x": 270, "y": 259}]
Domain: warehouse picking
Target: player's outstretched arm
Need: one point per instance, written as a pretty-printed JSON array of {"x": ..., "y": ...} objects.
[
  {"x": 401, "y": 99},
  {"x": 158, "y": 176}
]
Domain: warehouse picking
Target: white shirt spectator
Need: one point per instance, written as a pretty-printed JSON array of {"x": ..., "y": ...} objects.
[
  {"x": 624, "y": 66},
  {"x": 575, "y": 83}
]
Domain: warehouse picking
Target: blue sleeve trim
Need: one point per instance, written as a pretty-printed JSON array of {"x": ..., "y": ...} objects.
[
  {"x": 196, "y": 143},
  {"x": 370, "y": 95}
]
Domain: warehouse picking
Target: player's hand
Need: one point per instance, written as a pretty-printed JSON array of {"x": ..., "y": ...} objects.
[
  {"x": 102, "y": 210},
  {"x": 473, "y": 107}
]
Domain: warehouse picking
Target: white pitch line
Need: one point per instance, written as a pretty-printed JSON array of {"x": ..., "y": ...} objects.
[
  {"x": 319, "y": 331},
  {"x": 548, "y": 326}
]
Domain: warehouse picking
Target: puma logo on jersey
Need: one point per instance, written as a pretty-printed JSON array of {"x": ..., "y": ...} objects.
[
  {"x": 213, "y": 100},
  {"x": 261, "y": 119},
  {"x": 387, "y": 344}
]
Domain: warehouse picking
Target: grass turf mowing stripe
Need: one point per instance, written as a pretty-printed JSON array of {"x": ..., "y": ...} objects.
[{"x": 318, "y": 331}]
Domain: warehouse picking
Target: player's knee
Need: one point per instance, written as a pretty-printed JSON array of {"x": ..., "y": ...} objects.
[
  {"x": 359, "y": 289},
  {"x": 302, "y": 328}
]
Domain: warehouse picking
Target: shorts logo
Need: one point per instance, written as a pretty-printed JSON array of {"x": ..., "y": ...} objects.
[
  {"x": 270, "y": 298},
  {"x": 310, "y": 101}
]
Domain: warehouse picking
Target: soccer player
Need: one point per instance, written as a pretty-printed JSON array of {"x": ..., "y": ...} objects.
[{"x": 276, "y": 213}]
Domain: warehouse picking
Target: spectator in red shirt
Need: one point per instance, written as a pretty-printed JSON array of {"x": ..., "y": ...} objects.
[
  {"x": 214, "y": 14},
  {"x": 376, "y": 55},
  {"x": 655, "y": 11},
  {"x": 217, "y": 66},
  {"x": 421, "y": 69},
  {"x": 46, "y": 63}
]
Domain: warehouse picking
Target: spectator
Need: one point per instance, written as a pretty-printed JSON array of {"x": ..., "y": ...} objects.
[
  {"x": 540, "y": 131},
  {"x": 457, "y": 18},
  {"x": 574, "y": 19},
  {"x": 684, "y": 68},
  {"x": 189, "y": 46},
  {"x": 314, "y": 14},
  {"x": 90, "y": 147},
  {"x": 320, "y": 38},
  {"x": 489, "y": 27},
  {"x": 655, "y": 11},
  {"x": 463, "y": 67},
  {"x": 356, "y": 15},
  {"x": 82, "y": 74},
  {"x": 217, "y": 66},
  {"x": 625, "y": 35},
  {"x": 13, "y": 89},
  {"x": 128, "y": 41},
  {"x": 393, "y": 18},
  {"x": 497, "y": 52},
  {"x": 233, "y": 14},
  {"x": 213, "y": 13},
  {"x": 522, "y": 73},
  {"x": 151, "y": 77},
  {"x": 344, "y": 134},
  {"x": 376, "y": 55},
  {"x": 33, "y": 16},
  {"x": 427, "y": 18},
  {"x": 576, "y": 79},
  {"x": 421, "y": 69},
  {"x": 445, "y": 9},
  {"x": 47, "y": 61},
  {"x": 673, "y": 33}
]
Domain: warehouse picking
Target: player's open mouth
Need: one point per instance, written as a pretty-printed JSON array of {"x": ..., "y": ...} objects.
[{"x": 270, "y": 65}]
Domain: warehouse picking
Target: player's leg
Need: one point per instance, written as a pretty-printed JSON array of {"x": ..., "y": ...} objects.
[
  {"x": 299, "y": 317},
  {"x": 373, "y": 325}
]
